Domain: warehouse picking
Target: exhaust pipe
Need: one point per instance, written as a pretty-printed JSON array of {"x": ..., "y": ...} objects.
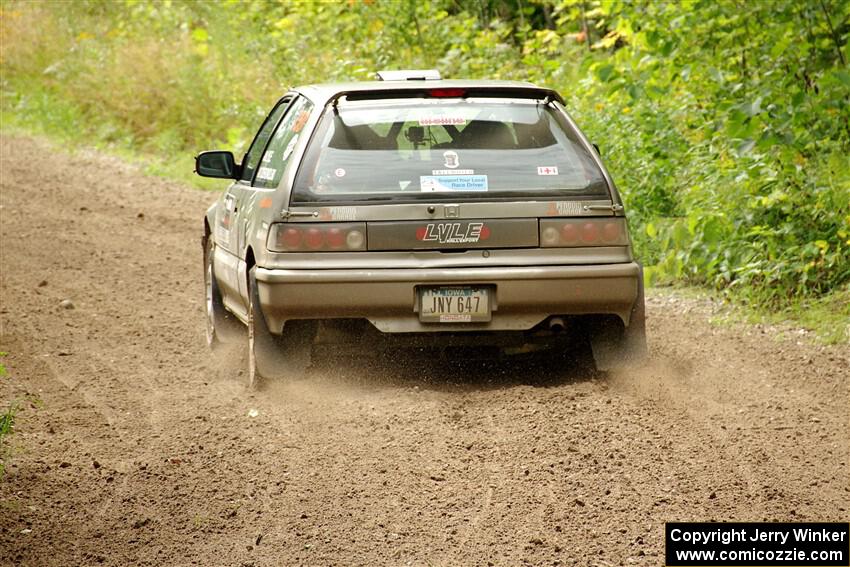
[{"x": 556, "y": 325}]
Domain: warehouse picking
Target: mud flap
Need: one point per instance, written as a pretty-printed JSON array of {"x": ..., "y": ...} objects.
[
  {"x": 615, "y": 345},
  {"x": 276, "y": 356}
]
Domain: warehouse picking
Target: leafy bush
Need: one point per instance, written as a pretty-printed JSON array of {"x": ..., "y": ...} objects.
[{"x": 740, "y": 172}]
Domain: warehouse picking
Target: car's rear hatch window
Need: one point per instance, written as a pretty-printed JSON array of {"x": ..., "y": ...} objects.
[{"x": 426, "y": 149}]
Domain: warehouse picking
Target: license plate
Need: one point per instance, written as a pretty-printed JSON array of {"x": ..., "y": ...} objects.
[{"x": 454, "y": 304}]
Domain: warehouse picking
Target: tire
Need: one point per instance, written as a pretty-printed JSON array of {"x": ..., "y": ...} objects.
[
  {"x": 221, "y": 325},
  {"x": 270, "y": 356}
]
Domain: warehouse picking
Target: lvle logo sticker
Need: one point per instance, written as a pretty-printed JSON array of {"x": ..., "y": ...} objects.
[{"x": 452, "y": 232}]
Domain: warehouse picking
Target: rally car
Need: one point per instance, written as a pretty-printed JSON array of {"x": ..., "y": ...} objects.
[{"x": 414, "y": 210}]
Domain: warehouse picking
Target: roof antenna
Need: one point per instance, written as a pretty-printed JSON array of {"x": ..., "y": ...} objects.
[{"x": 409, "y": 75}]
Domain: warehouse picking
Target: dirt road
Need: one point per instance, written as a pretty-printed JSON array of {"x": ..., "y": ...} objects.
[{"x": 134, "y": 446}]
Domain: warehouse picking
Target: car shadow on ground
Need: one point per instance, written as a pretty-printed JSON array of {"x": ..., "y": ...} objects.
[{"x": 405, "y": 369}]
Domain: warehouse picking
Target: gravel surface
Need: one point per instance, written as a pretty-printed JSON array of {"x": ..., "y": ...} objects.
[{"x": 136, "y": 446}]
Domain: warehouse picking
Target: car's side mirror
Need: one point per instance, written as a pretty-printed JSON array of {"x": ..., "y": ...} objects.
[
  {"x": 216, "y": 164},
  {"x": 596, "y": 147}
]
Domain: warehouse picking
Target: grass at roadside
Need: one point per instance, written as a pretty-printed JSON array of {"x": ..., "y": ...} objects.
[
  {"x": 828, "y": 317},
  {"x": 178, "y": 165},
  {"x": 7, "y": 421},
  {"x": 825, "y": 320}
]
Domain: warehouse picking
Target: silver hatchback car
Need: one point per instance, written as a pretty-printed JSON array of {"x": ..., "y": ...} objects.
[{"x": 464, "y": 215}]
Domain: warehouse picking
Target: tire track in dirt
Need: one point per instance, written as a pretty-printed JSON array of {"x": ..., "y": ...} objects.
[{"x": 138, "y": 448}]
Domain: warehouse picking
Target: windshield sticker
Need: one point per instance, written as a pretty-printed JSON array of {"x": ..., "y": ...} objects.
[
  {"x": 452, "y": 172},
  {"x": 267, "y": 157},
  {"x": 452, "y": 159},
  {"x": 403, "y": 185},
  {"x": 266, "y": 173},
  {"x": 442, "y": 183},
  {"x": 289, "y": 147},
  {"x": 339, "y": 172},
  {"x": 547, "y": 170},
  {"x": 442, "y": 121}
]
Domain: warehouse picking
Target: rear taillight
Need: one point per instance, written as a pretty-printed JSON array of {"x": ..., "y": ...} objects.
[
  {"x": 317, "y": 237},
  {"x": 583, "y": 232}
]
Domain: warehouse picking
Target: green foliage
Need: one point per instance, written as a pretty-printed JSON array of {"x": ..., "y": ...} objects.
[
  {"x": 725, "y": 124},
  {"x": 741, "y": 171}
]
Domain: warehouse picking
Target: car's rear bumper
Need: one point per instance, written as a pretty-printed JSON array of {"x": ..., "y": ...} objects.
[{"x": 523, "y": 296}]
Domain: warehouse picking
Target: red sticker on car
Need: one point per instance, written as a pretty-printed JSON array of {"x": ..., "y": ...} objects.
[{"x": 300, "y": 121}]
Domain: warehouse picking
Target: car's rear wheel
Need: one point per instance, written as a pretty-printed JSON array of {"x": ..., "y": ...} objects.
[
  {"x": 221, "y": 325},
  {"x": 270, "y": 356}
]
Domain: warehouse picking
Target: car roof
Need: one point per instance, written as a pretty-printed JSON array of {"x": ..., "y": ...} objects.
[{"x": 322, "y": 94}]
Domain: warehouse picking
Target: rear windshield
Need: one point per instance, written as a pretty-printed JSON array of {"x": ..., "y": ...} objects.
[{"x": 432, "y": 149}]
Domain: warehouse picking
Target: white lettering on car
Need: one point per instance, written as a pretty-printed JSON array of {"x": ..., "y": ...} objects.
[
  {"x": 442, "y": 121},
  {"x": 453, "y": 233},
  {"x": 338, "y": 213},
  {"x": 568, "y": 208}
]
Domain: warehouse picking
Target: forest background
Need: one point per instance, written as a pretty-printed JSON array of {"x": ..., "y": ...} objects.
[{"x": 725, "y": 123}]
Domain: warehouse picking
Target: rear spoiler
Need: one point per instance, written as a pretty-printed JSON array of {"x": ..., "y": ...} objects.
[{"x": 425, "y": 91}]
